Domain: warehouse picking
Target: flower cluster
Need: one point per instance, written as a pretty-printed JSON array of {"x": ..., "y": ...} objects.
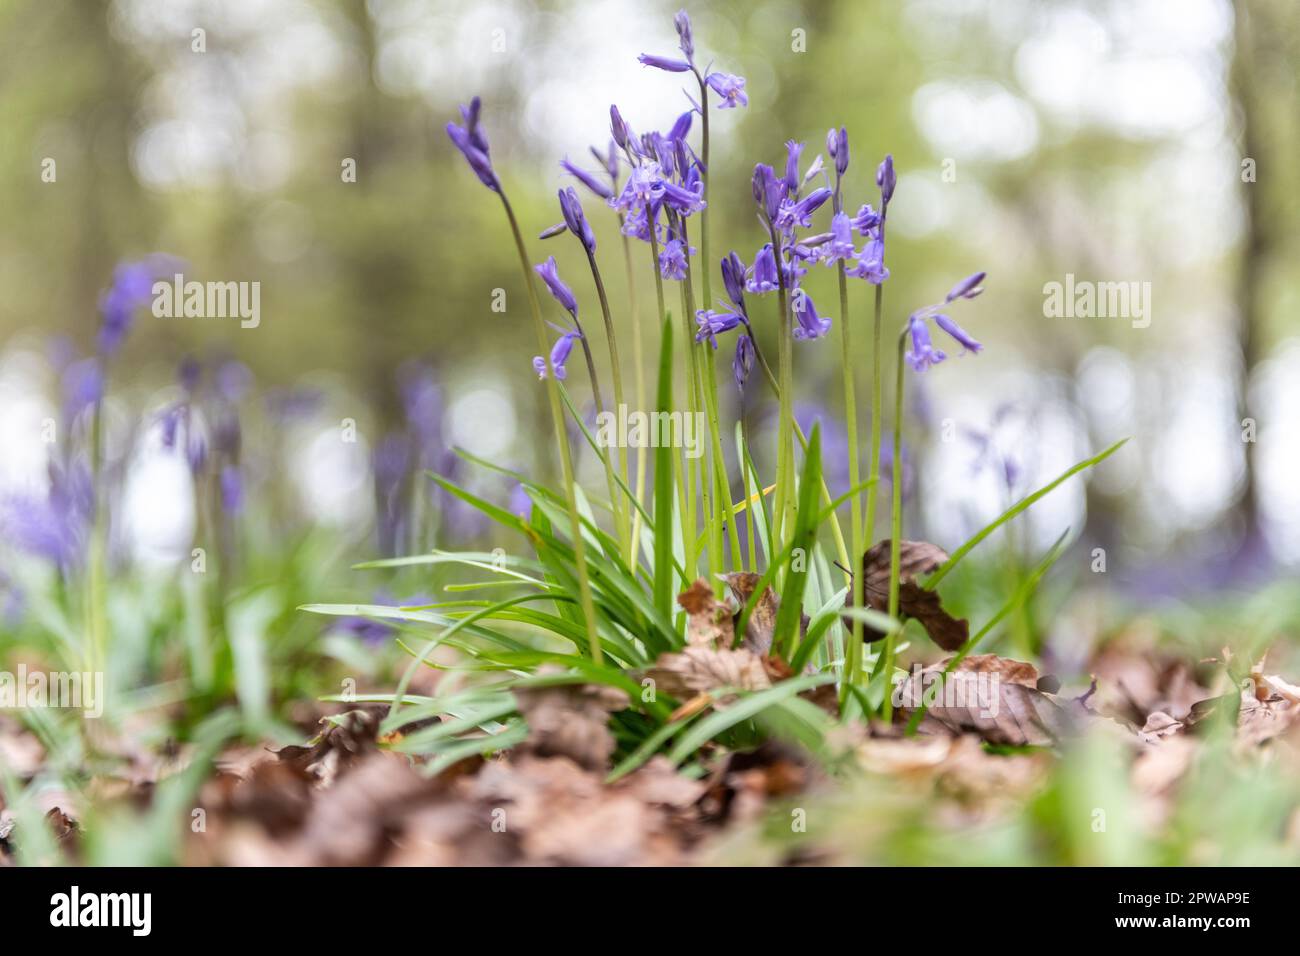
[
  {"x": 923, "y": 354},
  {"x": 664, "y": 187}
]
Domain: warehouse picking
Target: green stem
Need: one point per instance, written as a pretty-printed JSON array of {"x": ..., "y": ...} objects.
[
  {"x": 895, "y": 521},
  {"x": 854, "y": 663},
  {"x": 639, "y": 385},
  {"x": 562, "y": 439},
  {"x": 616, "y": 501},
  {"x": 786, "y": 425}
]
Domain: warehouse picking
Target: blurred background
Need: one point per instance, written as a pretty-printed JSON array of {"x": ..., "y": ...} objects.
[{"x": 1135, "y": 141}]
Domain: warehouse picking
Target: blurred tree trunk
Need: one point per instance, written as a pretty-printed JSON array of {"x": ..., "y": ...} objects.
[{"x": 1258, "y": 27}]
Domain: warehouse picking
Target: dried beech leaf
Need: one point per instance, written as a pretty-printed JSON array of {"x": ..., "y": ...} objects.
[
  {"x": 916, "y": 559},
  {"x": 762, "y": 621},
  {"x": 987, "y": 695},
  {"x": 709, "y": 622},
  {"x": 571, "y": 721},
  {"x": 697, "y": 670}
]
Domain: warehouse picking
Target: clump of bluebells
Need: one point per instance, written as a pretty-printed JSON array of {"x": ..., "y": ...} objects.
[{"x": 656, "y": 183}]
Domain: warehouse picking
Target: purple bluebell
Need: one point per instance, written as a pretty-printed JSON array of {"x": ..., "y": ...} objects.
[
  {"x": 762, "y": 276},
  {"x": 886, "y": 179},
  {"x": 83, "y": 386},
  {"x": 681, "y": 128},
  {"x": 768, "y": 190},
  {"x": 673, "y": 260},
  {"x": 575, "y": 220},
  {"x": 559, "y": 355},
  {"x": 967, "y": 288},
  {"x": 870, "y": 264},
  {"x": 550, "y": 274},
  {"x": 730, "y": 88},
  {"x": 867, "y": 221},
  {"x": 617, "y": 128},
  {"x": 54, "y": 526},
  {"x": 743, "y": 361},
  {"x": 840, "y": 246},
  {"x": 685, "y": 38},
  {"x": 958, "y": 333},
  {"x": 810, "y": 324},
  {"x": 664, "y": 63},
  {"x": 713, "y": 323},
  {"x": 922, "y": 354},
  {"x": 132, "y": 289},
  {"x": 837, "y": 144},
  {"x": 792, "y": 151},
  {"x": 644, "y": 188},
  {"x": 472, "y": 142},
  {"x": 798, "y": 212},
  {"x": 232, "y": 490},
  {"x": 733, "y": 280},
  {"x": 587, "y": 179},
  {"x": 683, "y": 200}
]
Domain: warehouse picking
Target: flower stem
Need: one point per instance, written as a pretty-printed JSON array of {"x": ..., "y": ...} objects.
[
  {"x": 853, "y": 664},
  {"x": 562, "y": 439},
  {"x": 785, "y": 470},
  {"x": 895, "y": 522},
  {"x": 639, "y": 385},
  {"x": 616, "y": 501}
]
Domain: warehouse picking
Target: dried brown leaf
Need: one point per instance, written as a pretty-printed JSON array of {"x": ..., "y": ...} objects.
[
  {"x": 916, "y": 559},
  {"x": 571, "y": 721},
  {"x": 697, "y": 670}
]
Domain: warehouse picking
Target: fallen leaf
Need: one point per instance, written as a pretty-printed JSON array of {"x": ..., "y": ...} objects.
[
  {"x": 698, "y": 670},
  {"x": 916, "y": 559},
  {"x": 571, "y": 721}
]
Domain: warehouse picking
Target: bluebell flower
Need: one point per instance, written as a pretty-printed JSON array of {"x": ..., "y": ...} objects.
[
  {"x": 762, "y": 276},
  {"x": 644, "y": 188},
  {"x": 131, "y": 290},
  {"x": 733, "y": 280},
  {"x": 798, "y": 212},
  {"x": 575, "y": 220},
  {"x": 617, "y": 128},
  {"x": 664, "y": 63},
  {"x": 867, "y": 221},
  {"x": 713, "y": 323},
  {"x": 792, "y": 151},
  {"x": 682, "y": 128},
  {"x": 743, "y": 361},
  {"x": 967, "y": 288},
  {"x": 870, "y": 264},
  {"x": 686, "y": 40},
  {"x": 588, "y": 180},
  {"x": 673, "y": 259},
  {"x": 472, "y": 143},
  {"x": 922, "y": 354},
  {"x": 559, "y": 355},
  {"x": 768, "y": 190},
  {"x": 550, "y": 274},
  {"x": 730, "y": 88},
  {"x": 810, "y": 324},
  {"x": 958, "y": 334},
  {"x": 83, "y": 386},
  {"x": 886, "y": 180},
  {"x": 840, "y": 245},
  {"x": 837, "y": 144}
]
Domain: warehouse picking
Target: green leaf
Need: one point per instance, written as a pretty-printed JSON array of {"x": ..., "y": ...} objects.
[{"x": 1014, "y": 510}]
